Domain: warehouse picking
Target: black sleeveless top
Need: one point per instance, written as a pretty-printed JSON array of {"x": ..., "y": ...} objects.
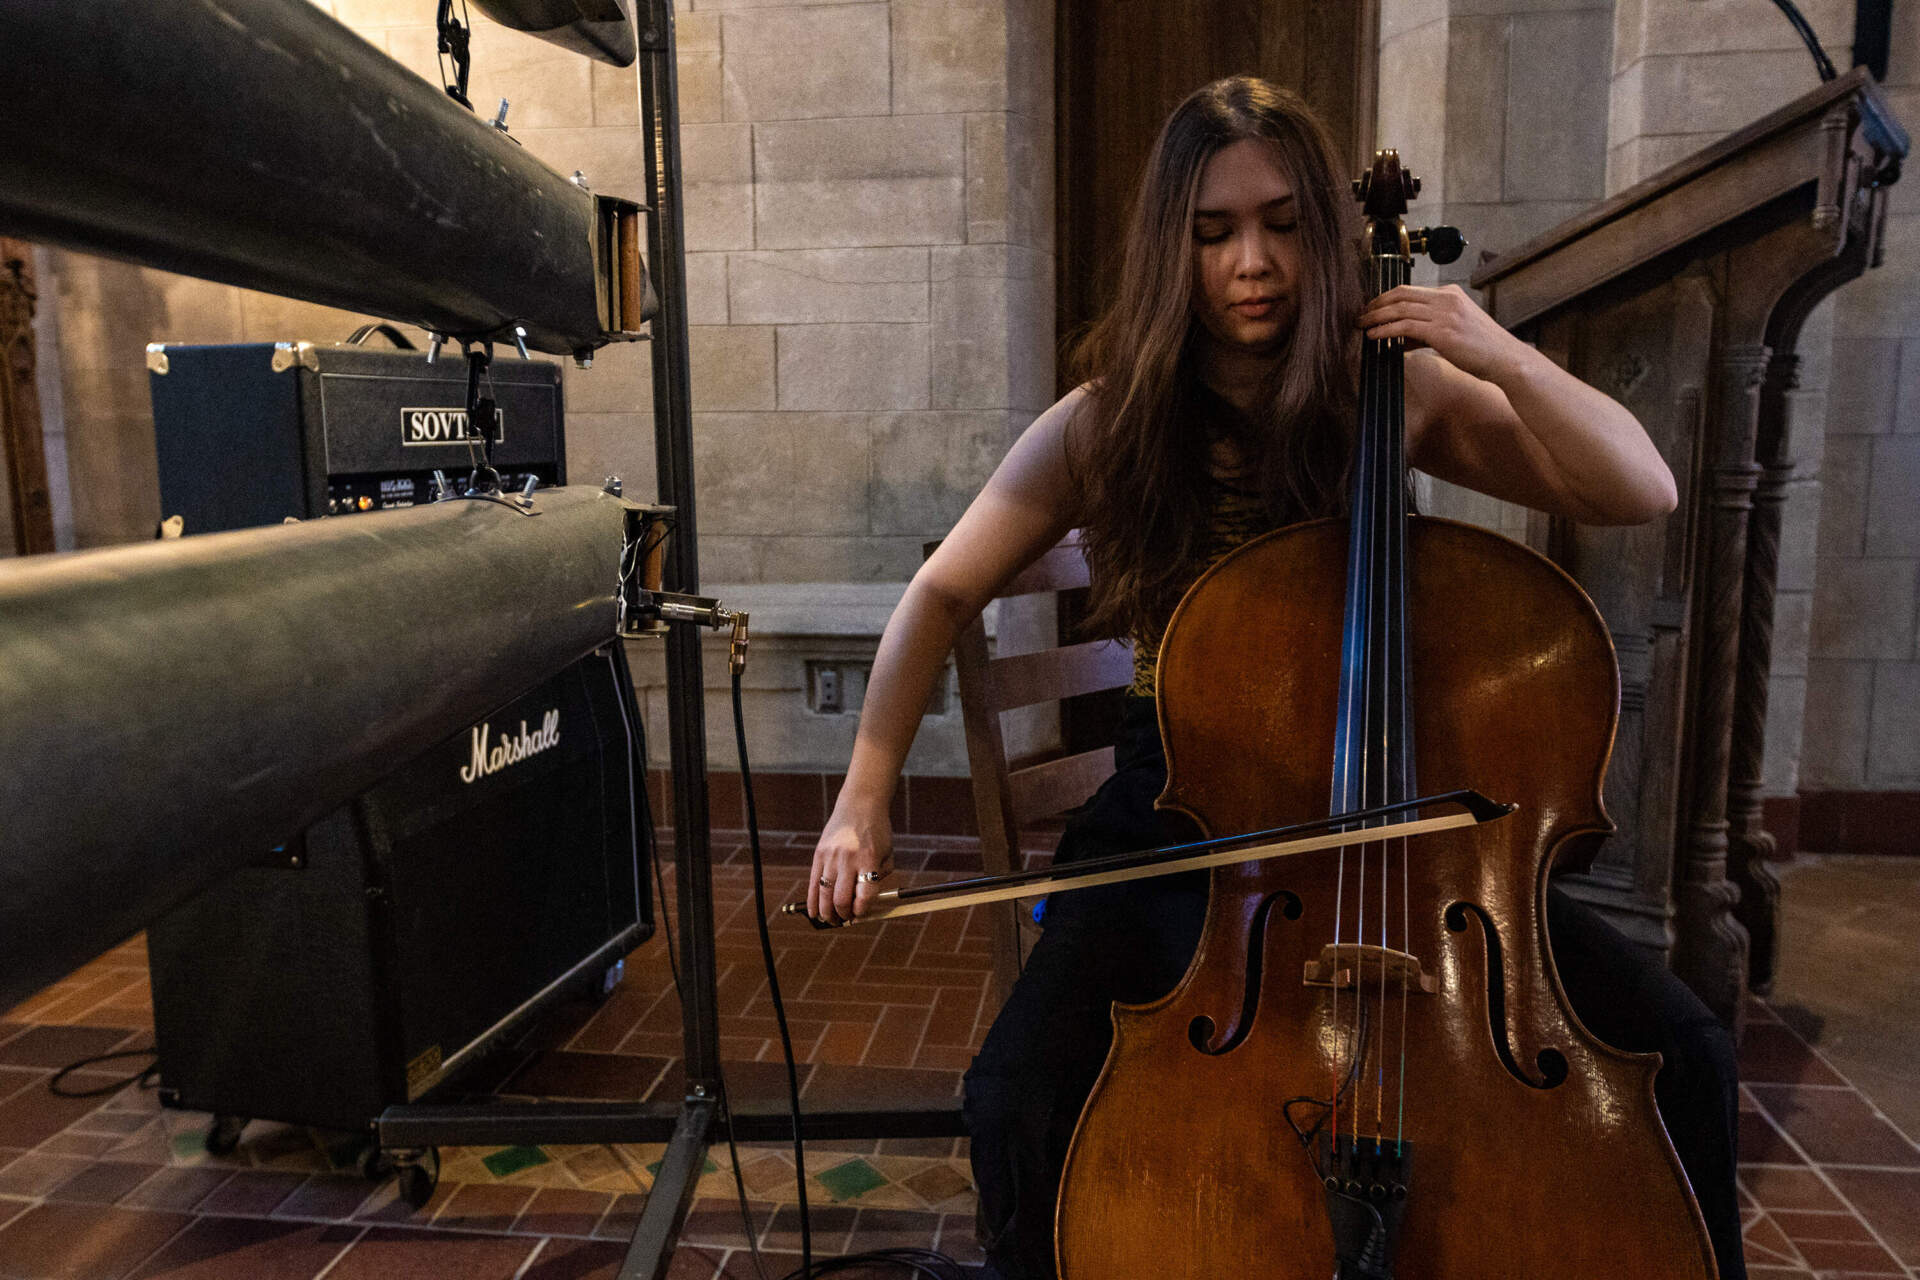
[{"x": 1236, "y": 515}]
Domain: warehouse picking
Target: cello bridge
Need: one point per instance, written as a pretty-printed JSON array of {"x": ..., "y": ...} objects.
[{"x": 1345, "y": 965}]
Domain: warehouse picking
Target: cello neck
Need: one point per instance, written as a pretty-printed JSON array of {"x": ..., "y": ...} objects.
[{"x": 1373, "y": 735}]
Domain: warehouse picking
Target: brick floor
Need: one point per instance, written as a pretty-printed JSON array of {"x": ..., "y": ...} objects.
[{"x": 114, "y": 1186}]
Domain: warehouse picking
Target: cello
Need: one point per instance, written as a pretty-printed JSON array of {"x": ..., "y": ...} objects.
[{"x": 1370, "y": 1069}]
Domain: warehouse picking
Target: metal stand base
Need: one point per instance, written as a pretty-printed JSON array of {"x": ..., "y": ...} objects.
[{"x": 509, "y": 1124}]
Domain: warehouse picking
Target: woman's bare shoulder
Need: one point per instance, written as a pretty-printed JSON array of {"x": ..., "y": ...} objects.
[
  {"x": 1063, "y": 427},
  {"x": 1069, "y": 412},
  {"x": 1042, "y": 457}
]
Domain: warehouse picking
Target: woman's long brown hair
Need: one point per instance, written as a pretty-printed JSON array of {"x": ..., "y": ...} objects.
[{"x": 1141, "y": 454}]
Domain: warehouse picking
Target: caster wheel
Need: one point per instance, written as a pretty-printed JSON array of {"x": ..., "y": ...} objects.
[
  {"x": 417, "y": 1182},
  {"x": 224, "y": 1135}
]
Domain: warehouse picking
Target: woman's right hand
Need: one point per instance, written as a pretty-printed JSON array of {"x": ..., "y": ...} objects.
[{"x": 855, "y": 853}]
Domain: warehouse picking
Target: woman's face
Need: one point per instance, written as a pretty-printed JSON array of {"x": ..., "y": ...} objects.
[{"x": 1246, "y": 249}]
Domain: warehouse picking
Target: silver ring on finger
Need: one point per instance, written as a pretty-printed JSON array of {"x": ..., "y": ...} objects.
[
  {"x": 825, "y": 883},
  {"x": 868, "y": 877}
]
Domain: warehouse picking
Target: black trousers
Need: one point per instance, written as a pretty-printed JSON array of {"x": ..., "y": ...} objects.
[{"x": 1132, "y": 943}]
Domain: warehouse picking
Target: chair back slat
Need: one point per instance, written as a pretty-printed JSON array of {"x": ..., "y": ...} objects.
[
  {"x": 1058, "y": 785},
  {"x": 1048, "y": 675},
  {"x": 1004, "y": 798},
  {"x": 1061, "y": 569}
]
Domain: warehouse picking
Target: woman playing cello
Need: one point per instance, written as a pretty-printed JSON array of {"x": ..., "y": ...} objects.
[{"x": 1218, "y": 403}]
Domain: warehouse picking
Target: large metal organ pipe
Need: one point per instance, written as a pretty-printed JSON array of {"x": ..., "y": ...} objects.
[
  {"x": 171, "y": 710},
  {"x": 261, "y": 143}
]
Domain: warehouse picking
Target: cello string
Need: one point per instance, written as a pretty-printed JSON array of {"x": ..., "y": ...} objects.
[
  {"x": 1405, "y": 745},
  {"x": 1350, "y": 726},
  {"x": 1361, "y": 640},
  {"x": 1388, "y": 629},
  {"x": 1372, "y": 770}
]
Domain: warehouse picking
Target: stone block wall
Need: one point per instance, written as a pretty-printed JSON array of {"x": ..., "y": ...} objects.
[
  {"x": 869, "y": 226},
  {"x": 1687, "y": 72},
  {"x": 1501, "y": 107},
  {"x": 1862, "y": 727}
]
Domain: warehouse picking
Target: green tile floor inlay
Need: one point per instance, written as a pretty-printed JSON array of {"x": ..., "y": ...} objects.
[
  {"x": 511, "y": 1160},
  {"x": 189, "y": 1144},
  {"x": 852, "y": 1180}
]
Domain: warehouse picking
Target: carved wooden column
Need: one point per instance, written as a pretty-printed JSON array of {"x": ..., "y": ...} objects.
[
  {"x": 1710, "y": 949},
  {"x": 21, "y": 444},
  {"x": 1684, "y": 296},
  {"x": 1750, "y": 846}
]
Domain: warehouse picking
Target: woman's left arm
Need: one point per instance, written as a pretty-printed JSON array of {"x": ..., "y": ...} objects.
[{"x": 1493, "y": 414}]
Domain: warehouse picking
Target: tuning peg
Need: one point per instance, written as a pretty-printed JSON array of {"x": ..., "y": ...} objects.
[{"x": 1442, "y": 244}]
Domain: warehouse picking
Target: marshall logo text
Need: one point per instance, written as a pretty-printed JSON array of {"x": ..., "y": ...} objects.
[
  {"x": 510, "y": 749},
  {"x": 438, "y": 426}
]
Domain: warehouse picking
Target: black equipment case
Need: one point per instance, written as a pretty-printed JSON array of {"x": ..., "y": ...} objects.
[
  {"x": 393, "y": 942},
  {"x": 251, "y": 433},
  {"x": 400, "y": 937}
]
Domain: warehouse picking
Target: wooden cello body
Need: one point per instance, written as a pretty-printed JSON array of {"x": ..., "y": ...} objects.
[{"x": 1370, "y": 1069}]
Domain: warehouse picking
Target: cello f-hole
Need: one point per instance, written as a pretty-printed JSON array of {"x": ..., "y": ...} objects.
[
  {"x": 1203, "y": 1029},
  {"x": 1551, "y": 1063}
]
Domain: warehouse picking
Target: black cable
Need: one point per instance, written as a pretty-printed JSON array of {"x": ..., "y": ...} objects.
[
  {"x": 666, "y": 917},
  {"x": 454, "y": 41},
  {"x": 773, "y": 988},
  {"x": 145, "y": 1079},
  {"x": 637, "y": 745},
  {"x": 740, "y": 1183},
  {"x": 1821, "y": 63},
  {"x": 918, "y": 1262},
  {"x": 1872, "y": 35}
]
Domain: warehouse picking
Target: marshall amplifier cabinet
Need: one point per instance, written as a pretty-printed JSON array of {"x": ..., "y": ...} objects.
[
  {"x": 398, "y": 938},
  {"x": 252, "y": 433}
]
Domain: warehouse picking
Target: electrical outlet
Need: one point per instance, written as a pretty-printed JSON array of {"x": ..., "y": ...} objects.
[
  {"x": 839, "y": 688},
  {"x": 825, "y": 688}
]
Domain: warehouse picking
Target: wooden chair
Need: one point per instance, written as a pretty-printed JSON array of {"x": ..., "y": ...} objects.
[{"x": 1006, "y": 798}]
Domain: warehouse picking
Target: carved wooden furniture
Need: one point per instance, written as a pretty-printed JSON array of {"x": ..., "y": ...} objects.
[
  {"x": 1009, "y": 797},
  {"x": 22, "y": 453},
  {"x": 1683, "y": 297}
]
